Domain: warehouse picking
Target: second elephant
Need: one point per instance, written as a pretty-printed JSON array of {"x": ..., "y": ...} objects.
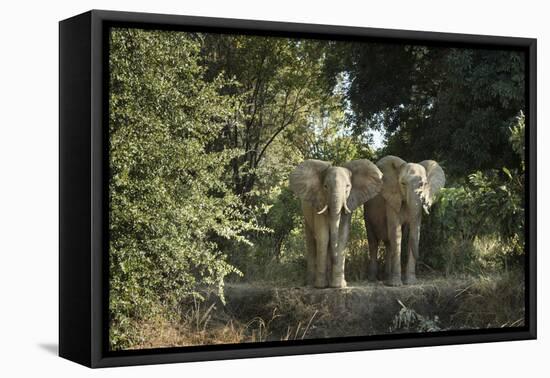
[
  {"x": 329, "y": 194},
  {"x": 407, "y": 190}
]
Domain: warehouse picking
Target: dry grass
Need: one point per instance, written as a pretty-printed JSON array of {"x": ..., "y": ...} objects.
[
  {"x": 257, "y": 314},
  {"x": 492, "y": 302},
  {"x": 161, "y": 333},
  {"x": 205, "y": 325}
]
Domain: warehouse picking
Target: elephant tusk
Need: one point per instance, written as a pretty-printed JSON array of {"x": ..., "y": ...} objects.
[
  {"x": 323, "y": 210},
  {"x": 346, "y": 208},
  {"x": 426, "y": 209}
]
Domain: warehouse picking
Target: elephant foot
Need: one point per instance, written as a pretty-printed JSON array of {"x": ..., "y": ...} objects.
[
  {"x": 339, "y": 284},
  {"x": 410, "y": 279},
  {"x": 393, "y": 281},
  {"x": 337, "y": 279}
]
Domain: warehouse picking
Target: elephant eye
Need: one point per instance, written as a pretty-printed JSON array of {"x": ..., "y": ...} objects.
[
  {"x": 348, "y": 186},
  {"x": 326, "y": 186}
]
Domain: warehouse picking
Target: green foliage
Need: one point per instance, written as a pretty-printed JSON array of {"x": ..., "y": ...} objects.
[
  {"x": 480, "y": 223},
  {"x": 356, "y": 251},
  {"x": 327, "y": 138},
  {"x": 169, "y": 198},
  {"x": 277, "y": 256},
  {"x": 481, "y": 93},
  {"x": 278, "y": 84},
  {"x": 451, "y": 105},
  {"x": 517, "y": 138}
]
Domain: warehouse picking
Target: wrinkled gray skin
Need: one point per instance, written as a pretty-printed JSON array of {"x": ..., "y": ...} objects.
[
  {"x": 329, "y": 195},
  {"x": 408, "y": 189}
]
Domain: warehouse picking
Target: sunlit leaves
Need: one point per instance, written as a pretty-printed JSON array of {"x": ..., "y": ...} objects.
[{"x": 169, "y": 193}]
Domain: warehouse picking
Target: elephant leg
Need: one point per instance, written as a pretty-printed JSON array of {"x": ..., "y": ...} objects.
[
  {"x": 412, "y": 248},
  {"x": 330, "y": 262},
  {"x": 310, "y": 255},
  {"x": 339, "y": 257},
  {"x": 410, "y": 273},
  {"x": 387, "y": 261},
  {"x": 321, "y": 248},
  {"x": 372, "y": 269},
  {"x": 394, "y": 236}
]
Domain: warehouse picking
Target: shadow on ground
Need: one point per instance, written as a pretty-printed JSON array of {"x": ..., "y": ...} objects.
[{"x": 51, "y": 348}]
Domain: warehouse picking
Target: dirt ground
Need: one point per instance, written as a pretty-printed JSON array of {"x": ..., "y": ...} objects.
[
  {"x": 361, "y": 309},
  {"x": 261, "y": 312}
]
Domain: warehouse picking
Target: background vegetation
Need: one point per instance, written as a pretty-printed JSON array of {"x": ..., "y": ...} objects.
[{"x": 205, "y": 128}]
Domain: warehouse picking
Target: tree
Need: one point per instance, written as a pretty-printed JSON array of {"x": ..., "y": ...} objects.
[
  {"x": 449, "y": 104},
  {"x": 278, "y": 83},
  {"x": 170, "y": 196},
  {"x": 477, "y": 99}
]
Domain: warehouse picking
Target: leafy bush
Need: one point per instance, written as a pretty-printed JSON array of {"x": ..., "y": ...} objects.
[
  {"x": 169, "y": 198},
  {"x": 357, "y": 249},
  {"x": 479, "y": 224}
]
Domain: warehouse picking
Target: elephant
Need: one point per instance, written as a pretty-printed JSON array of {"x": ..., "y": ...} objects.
[
  {"x": 328, "y": 195},
  {"x": 408, "y": 189}
]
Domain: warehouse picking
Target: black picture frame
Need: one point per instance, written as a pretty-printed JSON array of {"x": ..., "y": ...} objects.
[{"x": 83, "y": 193}]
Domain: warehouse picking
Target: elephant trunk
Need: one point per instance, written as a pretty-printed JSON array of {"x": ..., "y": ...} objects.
[
  {"x": 416, "y": 204},
  {"x": 334, "y": 231},
  {"x": 414, "y": 237},
  {"x": 336, "y": 205}
]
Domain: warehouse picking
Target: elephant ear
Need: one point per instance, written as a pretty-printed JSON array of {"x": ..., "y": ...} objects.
[
  {"x": 436, "y": 179},
  {"x": 390, "y": 167},
  {"x": 366, "y": 182},
  {"x": 306, "y": 181}
]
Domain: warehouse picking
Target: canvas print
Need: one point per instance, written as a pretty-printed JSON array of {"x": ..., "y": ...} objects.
[{"x": 280, "y": 189}]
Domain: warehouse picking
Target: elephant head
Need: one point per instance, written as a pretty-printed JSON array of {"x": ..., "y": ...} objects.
[
  {"x": 413, "y": 184},
  {"x": 334, "y": 190}
]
